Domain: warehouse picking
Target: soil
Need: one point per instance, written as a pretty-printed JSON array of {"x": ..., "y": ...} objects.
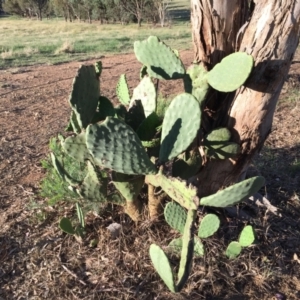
[{"x": 38, "y": 261}]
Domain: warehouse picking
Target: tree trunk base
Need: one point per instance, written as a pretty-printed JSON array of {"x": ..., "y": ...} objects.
[{"x": 133, "y": 209}]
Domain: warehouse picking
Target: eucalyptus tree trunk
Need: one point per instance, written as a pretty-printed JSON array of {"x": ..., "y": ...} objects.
[{"x": 266, "y": 29}]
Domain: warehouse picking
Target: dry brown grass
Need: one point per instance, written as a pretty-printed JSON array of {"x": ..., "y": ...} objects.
[{"x": 66, "y": 47}]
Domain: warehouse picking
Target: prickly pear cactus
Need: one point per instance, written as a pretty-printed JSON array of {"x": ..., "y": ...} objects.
[
  {"x": 114, "y": 145},
  {"x": 148, "y": 128},
  {"x": 233, "y": 250},
  {"x": 176, "y": 189},
  {"x": 75, "y": 146},
  {"x": 162, "y": 266},
  {"x": 146, "y": 93},
  {"x": 175, "y": 216},
  {"x": 247, "y": 236},
  {"x": 180, "y": 126},
  {"x": 161, "y": 61},
  {"x": 66, "y": 226},
  {"x": 122, "y": 90},
  {"x": 208, "y": 226},
  {"x": 85, "y": 94},
  {"x": 187, "y": 250},
  {"x": 235, "y": 193},
  {"x": 231, "y": 72}
]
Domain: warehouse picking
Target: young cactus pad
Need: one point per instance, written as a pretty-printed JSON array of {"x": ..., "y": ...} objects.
[
  {"x": 233, "y": 250},
  {"x": 66, "y": 226},
  {"x": 208, "y": 226},
  {"x": 175, "y": 216},
  {"x": 122, "y": 90},
  {"x": 85, "y": 95},
  {"x": 247, "y": 236},
  {"x": 231, "y": 72},
  {"x": 180, "y": 126},
  {"x": 114, "y": 145},
  {"x": 146, "y": 93},
  {"x": 161, "y": 61},
  {"x": 235, "y": 193},
  {"x": 162, "y": 266}
]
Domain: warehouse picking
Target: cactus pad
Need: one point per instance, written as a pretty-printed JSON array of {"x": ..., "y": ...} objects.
[
  {"x": 105, "y": 109},
  {"x": 247, "y": 236},
  {"x": 122, "y": 90},
  {"x": 175, "y": 216},
  {"x": 227, "y": 150},
  {"x": 177, "y": 189},
  {"x": 195, "y": 82},
  {"x": 231, "y": 72},
  {"x": 147, "y": 129},
  {"x": 180, "y": 126},
  {"x": 208, "y": 226},
  {"x": 162, "y": 266},
  {"x": 233, "y": 250},
  {"x": 66, "y": 226},
  {"x": 198, "y": 248},
  {"x": 175, "y": 245},
  {"x": 75, "y": 146},
  {"x": 128, "y": 185},
  {"x": 145, "y": 92},
  {"x": 187, "y": 165},
  {"x": 114, "y": 145},
  {"x": 235, "y": 193},
  {"x": 92, "y": 188},
  {"x": 217, "y": 136},
  {"x": 73, "y": 124},
  {"x": 161, "y": 61},
  {"x": 187, "y": 250},
  {"x": 85, "y": 94}
]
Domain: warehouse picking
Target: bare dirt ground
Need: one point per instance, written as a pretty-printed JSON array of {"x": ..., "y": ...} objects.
[{"x": 38, "y": 261}]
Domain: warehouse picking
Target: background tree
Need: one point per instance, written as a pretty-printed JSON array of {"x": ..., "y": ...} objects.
[
  {"x": 162, "y": 10},
  {"x": 268, "y": 30}
]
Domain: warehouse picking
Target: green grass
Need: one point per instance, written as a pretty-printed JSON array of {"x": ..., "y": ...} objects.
[{"x": 28, "y": 42}]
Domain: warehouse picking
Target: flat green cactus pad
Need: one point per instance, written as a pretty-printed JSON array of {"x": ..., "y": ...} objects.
[
  {"x": 175, "y": 246},
  {"x": 176, "y": 189},
  {"x": 122, "y": 90},
  {"x": 227, "y": 150},
  {"x": 146, "y": 93},
  {"x": 161, "y": 61},
  {"x": 128, "y": 185},
  {"x": 180, "y": 126},
  {"x": 75, "y": 146},
  {"x": 73, "y": 124},
  {"x": 162, "y": 266},
  {"x": 148, "y": 127},
  {"x": 187, "y": 165},
  {"x": 217, "y": 136},
  {"x": 208, "y": 226},
  {"x": 175, "y": 216},
  {"x": 85, "y": 94},
  {"x": 247, "y": 236},
  {"x": 114, "y": 145},
  {"x": 66, "y": 226},
  {"x": 235, "y": 193},
  {"x": 198, "y": 248},
  {"x": 231, "y": 72},
  {"x": 187, "y": 250},
  {"x": 233, "y": 250},
  {"x": 196, "y": 82},
  {"x": 105, "y": 109},
  {"x": 92, "y": 188}
]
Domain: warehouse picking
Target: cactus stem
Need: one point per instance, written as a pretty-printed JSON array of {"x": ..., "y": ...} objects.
[
  {"x": 154, "y": 203},
  {"x": 133, "y": 209}
]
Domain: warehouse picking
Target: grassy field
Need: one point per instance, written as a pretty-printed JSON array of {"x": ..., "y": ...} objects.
[{"x": 27, "y": 42}]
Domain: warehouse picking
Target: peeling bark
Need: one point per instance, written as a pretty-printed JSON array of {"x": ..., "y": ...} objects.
[{"x": 270, "y": 35}]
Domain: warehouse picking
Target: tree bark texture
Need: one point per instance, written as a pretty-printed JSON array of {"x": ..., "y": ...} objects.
[{"x": 266, "y": 29}]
